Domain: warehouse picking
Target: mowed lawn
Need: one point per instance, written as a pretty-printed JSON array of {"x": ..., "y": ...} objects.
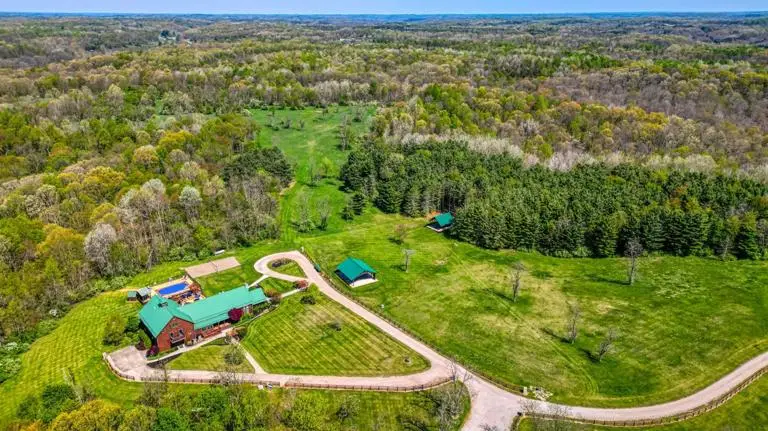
[
  {"x": 290, "y": 268},
  {"x": 228, "y": 279},
  {"x": 685, "y": 323},
  {"x": 301, "y": 339},
  {"x": 277, "y": 285},
  {"x": 74, "y": 345},
  {"x": 209, "y": 357}
]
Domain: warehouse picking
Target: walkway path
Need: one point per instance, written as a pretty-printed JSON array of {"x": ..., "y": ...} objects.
[
  {"x": 248, "y": 357},
  {"x": 491, "y": 405}
]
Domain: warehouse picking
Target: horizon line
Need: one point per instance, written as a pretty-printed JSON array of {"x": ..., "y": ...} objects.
[{"x": 342, "y": 14}]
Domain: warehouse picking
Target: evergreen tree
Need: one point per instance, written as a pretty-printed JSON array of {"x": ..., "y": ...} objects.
[
  {"x": 746, "y": 240},
  {"x": 390, "y": 196},
  {"x": 652, "y": 230},
  {"x": 358, "y": 203},
  {"x": 411, "y": 203}
]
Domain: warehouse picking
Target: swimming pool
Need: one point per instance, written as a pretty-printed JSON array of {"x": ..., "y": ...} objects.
[{"x": 174, "y": 288}]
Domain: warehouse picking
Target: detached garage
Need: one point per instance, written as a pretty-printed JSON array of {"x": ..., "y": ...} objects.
[{"x": 355, "y": 272}]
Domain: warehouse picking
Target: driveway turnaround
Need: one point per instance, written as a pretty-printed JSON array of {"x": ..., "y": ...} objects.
[{"x": 492, "y": 406}]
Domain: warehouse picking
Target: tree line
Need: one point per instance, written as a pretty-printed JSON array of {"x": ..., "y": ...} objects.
[
  {"x": 176, "y": 193},
  {"x": 590, "y": 210}
]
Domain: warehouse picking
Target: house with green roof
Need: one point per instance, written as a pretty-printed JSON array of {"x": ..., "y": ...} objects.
[
  {"x": 441, "y": 222},
  {"x": 171, "y": 324},
  {"x": 356, "y": 272}
]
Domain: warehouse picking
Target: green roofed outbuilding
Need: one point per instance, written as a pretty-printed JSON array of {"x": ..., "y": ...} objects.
[
  {"x": 170, "y": 323},
  {"x": 356, "y": 272},
  {"x": 441, "y": 222}
]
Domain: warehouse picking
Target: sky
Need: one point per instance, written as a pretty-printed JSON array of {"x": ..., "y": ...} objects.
[{"x": 379, "y": 6}]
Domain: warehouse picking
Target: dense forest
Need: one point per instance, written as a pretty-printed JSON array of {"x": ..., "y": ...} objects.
[
  {"x": 128, "y": 141},
  {"x": 589, "y": 210}
]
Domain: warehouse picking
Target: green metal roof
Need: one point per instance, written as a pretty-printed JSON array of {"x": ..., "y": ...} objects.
[
  {"x": 353, "y": 268},
  {"x": 156, "y": 313},
  {"x": 444, "y": 219},
  {"x": 205, "y": 312}
]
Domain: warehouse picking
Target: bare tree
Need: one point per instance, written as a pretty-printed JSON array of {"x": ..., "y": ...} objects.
[
  {"x": 449, "y": 399},
  {"x": 401, "y": 231},
  {"x": 97, "y": 247},
  {"x": 548, "y": 417},
  {"x": 572, "y": 330},
  {"x": 408, "y": 253},
  {"x": 606, "y": 346},
  {"x": 633, "y": 252},
  {"x": 304, "y": 223},
  {"x": 517, "y": 279},
  {"x": 324, "y": 213}
]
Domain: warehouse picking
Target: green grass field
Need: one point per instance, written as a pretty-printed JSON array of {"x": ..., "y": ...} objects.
[
  {"x": 278, "y": 285},
  {"x": 745, "y": 411},
  {"x": 685, "y": 323},
  {"x": 290, "y": 268},
  {"x": 316, "y": 145},
  {"x": 226, "y": 280},
  {"x": 209, "y": 357},
  {"x": 300, "y": 339},
  {"x": 74, "y": 345}
]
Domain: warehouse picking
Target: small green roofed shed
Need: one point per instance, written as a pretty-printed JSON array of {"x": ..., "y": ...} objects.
[
  {"x": 353, "y": 270},
  {"x": 444, "y": 219}
]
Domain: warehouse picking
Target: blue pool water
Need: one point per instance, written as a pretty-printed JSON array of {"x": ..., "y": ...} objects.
[{"x": 174, "y": 288}]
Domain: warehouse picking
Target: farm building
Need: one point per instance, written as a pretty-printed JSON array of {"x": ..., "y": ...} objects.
[
  {"x": 355, "y": 272},
  {"x": 142, "y": 295},
  {"x": 441, "y": 222},
  {"x": 171, "y": 324}
]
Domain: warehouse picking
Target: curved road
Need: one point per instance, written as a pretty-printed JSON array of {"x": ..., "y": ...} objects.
[{"x": 491, "y": 405}]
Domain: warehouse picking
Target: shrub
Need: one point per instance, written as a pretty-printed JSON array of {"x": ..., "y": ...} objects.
[
  {"x": 308, "y": 299},
  {"x": 153, "y": 351},
  {"x": 335, "y": 325},
  {"x": 113, "y": 331},
  {"x": 234, "y": 356},
  {"x": 241, "y": 332},
  {"x": 144, "y": 341},
  {"x": 274, "y": 296},
  {"x": 235, "y": 314},
  {"x": 279, "y": 262},
  {"x": 132, "y": 324},
  {"x": 301, "y": 284},
  {"x": 9, "y": 366},
  {"x": 55, "y": 399}
]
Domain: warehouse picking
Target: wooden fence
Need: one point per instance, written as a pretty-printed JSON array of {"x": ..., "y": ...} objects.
[
  {"x": 338, "y": 285},
  {"x": 689, "y": 414}
]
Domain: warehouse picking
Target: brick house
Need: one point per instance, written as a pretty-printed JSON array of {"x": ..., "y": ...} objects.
[{"x": 171, "y": 324}]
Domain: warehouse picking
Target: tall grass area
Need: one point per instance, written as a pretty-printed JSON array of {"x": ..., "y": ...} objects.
[
  {"x": 325, "y": 339},
  {"x": 311, "y": 148}
]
